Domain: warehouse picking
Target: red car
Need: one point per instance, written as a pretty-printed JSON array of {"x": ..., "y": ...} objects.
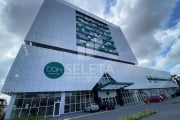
[{"x": 152, "y": 99}]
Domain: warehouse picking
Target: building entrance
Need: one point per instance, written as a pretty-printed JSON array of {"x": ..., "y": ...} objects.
[
  {"x": 109, "y": 100},
  {"x": 56, "y": 110}
]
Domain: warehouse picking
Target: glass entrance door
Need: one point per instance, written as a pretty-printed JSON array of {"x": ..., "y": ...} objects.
[
  {"x": 109, "y": 100},
  {"x": 56, "y": 111}
]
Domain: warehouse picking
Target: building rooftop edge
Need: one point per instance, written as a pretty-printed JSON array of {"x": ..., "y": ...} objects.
[{"x": 86, "y": 12}]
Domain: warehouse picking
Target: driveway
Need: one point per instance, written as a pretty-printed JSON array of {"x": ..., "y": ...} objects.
[{"x": 166, "y": 110}]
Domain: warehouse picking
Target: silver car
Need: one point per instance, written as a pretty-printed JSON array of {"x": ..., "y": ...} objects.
[{"x": 90, "y": 107}]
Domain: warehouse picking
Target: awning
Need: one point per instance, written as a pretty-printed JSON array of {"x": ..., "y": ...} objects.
[
  {"x": 113, "y": 87},
  {"x": 109, "y": 83}
]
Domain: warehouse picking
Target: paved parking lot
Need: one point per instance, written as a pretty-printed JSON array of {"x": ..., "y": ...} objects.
[{"x": 166, "y": 110}]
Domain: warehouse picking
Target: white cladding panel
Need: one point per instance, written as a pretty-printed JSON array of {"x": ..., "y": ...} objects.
[
  {"x": 55, "y": 25},
  {"x": 81, "y": 72}
]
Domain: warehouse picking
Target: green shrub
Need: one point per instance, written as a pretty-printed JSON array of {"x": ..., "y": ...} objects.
[
  {"x": 30, "y": 118},
  {"x": 177, "y": 101},
  {"x": 139, "y": 116}
]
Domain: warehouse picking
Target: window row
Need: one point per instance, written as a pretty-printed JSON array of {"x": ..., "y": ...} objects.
[
  {"x": 76, "y": 102},
  {"x": 37, "y": 95},
  {"x": 160, "y": 81},
  {"x": 93, "y": 35},
  {"x": 32, "y": 111},
  {"x": 107, "y": 42},
  {"x": 92, "y": 27},
  {"x": 35, "y": 102},
  {"x": 90, "y": 19},
  {"x": 94, "y": 46}
]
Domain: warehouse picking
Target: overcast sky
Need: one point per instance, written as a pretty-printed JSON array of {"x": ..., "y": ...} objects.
[{"x": 151, "y": 27}]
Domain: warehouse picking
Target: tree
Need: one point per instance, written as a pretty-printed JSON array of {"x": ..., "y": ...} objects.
[{"x": 176, "y": 79}]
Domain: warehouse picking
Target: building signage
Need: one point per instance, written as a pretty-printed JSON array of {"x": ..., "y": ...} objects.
[{"x": 54, "y": 70}]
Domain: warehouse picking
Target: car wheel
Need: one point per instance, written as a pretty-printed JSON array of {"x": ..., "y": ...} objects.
[
  {"x": 91, "y": 110},
  {"x": 160, "y": 100},
  {"x": 148, "y": 102}
]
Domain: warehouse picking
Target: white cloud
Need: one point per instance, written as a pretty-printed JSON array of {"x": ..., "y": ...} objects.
[
  {"x": 96, "y": 7},
  {"x": 140, "y": 20},
  {"x": 166, "y": 37},
  {"x": 144, "y": 62},
  {"x": 9, "y": 46},
  {"x": 175, "y": 69},
  {"x": 142, "y": 23}
]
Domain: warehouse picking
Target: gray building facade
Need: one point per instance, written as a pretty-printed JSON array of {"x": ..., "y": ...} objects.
[{"x": 72, "y": 57}]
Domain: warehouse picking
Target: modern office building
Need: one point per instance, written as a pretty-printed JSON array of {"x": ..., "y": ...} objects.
[{"x": 72, "y": 57}]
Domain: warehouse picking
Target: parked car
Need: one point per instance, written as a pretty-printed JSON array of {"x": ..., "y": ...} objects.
[
  {"x": 177, "y": 93},
  {"x": 152, "y": 99},
  {"x": 91, "y": 107},
  {"x": 107, "y": 106},
  {"x": 164, "y": 96}
]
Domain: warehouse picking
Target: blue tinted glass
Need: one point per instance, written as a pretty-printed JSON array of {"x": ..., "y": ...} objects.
[{"x": 95, "y": 32}]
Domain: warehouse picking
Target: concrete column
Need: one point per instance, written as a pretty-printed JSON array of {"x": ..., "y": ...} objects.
[
  {"x": 136, "y": 95},
  {"x": 10, "y": 107},
  {"x": 62, "y": 103}
]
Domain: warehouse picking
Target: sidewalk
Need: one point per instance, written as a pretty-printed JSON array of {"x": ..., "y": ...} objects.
[
  {"x": 166, "y": 110},
  {"x": 82, "y": 113}
]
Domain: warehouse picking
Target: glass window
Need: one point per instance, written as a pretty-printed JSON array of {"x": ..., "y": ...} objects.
[
  {"x": 72, "y": 99},
  {"x": 83, "y": 98},
  {"x": 68, "y": 94},
  {"x": 66, "y": 108},
  {"x": 42, "y": 95},
  {"x": 18, "y": 103},
  {"x": 42, "y": 111},
  {"x": 27, "y": 103},
  {"x": 33, "y": 111},
  {"x": 78, "y": 93},
  {"x": 83, "y": 105},
  {"x": 77, "y": 107},
  {"x": 35, "y": 102},
  {"x": 90, "y": 44},
  {"x": 49, "y": 110},
  {"x": 51, "y": 101},
  {"x": 77, "y": 99},
  {"x": 20, "y": 96},
  {"x": 95, "y": 31},
  {"x": 67, "y": 100},
  {"x": 43, "y": 102},
  {"x": 25, "y": 112},
  {"x": 57, "y": 99},
  {"x": 28, "y": 95},
  {"x": 15, "y": 113},
  {"x": 73, "y": 108}
]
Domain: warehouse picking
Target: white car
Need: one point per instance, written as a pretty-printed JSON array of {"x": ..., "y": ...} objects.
[{"x": 90, "y": 107}]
